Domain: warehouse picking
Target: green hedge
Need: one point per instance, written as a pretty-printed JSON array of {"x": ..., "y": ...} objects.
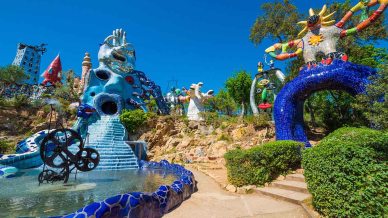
[
  {"x": 347, "y": 173},
  {"x": 262, "y": 164}
]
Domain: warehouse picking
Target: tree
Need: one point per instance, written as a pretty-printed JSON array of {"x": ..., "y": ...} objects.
[
  {"x": 277, "y": 22},
  {"x": 374, "y": 104},
  {"x": 10, "y": 75},
  {"x": 239, "y": 87},
  {"x": 151, "y": 105},
  {"x": 222, "y": 102},
  {"x": 66, "y": 90}
]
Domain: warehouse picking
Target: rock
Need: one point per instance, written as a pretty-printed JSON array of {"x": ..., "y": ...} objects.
[
  {"x": 40, "y": 113},
  {"x": 193, "y": 125},
  {"x": 24, "y": 113},
  {"x": 238, "y": 133},
  {"x": 3, "y": 138},
  {"x": 231, "y": 188},
  {"x": 205, "y": 130},
  {"x": 218, "y": 149},
  {"x": 40, "y": 126},
  {"x": 212, "y": 158},
  {"x": 185, "y": 143},
  {"x": 280, "y": 178},
  {"x": 174, "y": 132},
  {"x": 172, "y": 142},
  {"x": 246, "y": 189},
  {"x": 199, "y": 152}
]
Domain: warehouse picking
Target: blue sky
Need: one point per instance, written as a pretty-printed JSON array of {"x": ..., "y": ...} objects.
[{"x": 188, "y": 41}]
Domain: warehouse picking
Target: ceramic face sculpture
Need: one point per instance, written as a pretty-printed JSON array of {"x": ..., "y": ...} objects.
[{"x": 115, "y": 85}]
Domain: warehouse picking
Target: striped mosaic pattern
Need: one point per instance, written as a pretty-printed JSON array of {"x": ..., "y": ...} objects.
[{"x": 27, "y": 153}]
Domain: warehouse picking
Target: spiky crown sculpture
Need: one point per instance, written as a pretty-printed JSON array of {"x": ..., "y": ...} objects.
[{"x": 321, "y": 34}]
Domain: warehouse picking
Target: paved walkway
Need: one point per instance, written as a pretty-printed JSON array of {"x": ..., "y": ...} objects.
[{"x": 211, "y": 201}]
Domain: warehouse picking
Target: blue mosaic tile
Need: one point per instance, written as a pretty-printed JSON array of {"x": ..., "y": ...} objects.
[
  {"x": 138, "y": 204},
  {"x": 288, "y": 106}
]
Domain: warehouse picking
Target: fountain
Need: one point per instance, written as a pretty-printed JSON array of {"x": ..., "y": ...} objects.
[{"x": 140, "y": 186}]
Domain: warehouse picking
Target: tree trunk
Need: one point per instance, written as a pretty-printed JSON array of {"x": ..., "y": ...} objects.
[
  {"x": 312, "y": 115},
  {"x": 242, "y": 109},
  {"x": 2, "y": 89}
]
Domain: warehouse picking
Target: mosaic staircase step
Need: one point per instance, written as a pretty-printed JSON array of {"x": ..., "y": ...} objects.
[
  {"x": 116, "y": 167},
  {"x": 113, "y": 152},
  {"x": 119, "y": 163},
  {"x": 108, "y": 136},
  {"x": 107, "y": 145},
  {"x": 116, "y": 156}
]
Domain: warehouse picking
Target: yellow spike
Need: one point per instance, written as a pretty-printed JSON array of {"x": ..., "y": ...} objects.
[
  {"x": 302, "y": 22},
  {"x": 299, "y": 51},
  {"x": 311, "y": 12},
  {"x": 328, "y": 23},
  {"x": 301, "y": 33},
  {"x": 323, "y": 11},
  {"x": 328, "y": 16}
]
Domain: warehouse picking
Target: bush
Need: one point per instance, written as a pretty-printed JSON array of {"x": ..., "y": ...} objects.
[
  {"x": 20, "y": 101},
  {"x": 133, "y": 119},
  {"x": 210, "y": 118},
  {"x": 260, "y": 121},
  {"x": 5, "y": 147},
  {"x": 262, "y": 164},
  {"x": 347, "y": 173}
]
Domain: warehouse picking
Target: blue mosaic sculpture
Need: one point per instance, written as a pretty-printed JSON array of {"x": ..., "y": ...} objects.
[
  {"x": 115, "y": 85},
  {"x": 288, "y": 110},
  {"x": 320, "y": 35}
]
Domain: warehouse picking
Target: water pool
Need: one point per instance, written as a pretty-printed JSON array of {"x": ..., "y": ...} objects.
[{"x": 22, "y": 196}]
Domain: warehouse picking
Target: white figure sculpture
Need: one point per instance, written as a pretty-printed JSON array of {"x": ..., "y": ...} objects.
[{"x": 197, "y": 99}]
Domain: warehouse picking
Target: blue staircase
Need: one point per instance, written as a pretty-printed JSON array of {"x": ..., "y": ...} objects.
[{"x": 108, "y": 137}]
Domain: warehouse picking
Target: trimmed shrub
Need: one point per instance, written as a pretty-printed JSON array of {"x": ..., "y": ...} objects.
[
  {"x": 262, "y": 164},
  {"x": 347, "y": 173}
]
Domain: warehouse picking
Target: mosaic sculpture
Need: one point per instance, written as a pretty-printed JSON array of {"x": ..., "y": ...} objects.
[
  {"x": 320, "y": 35},
  {"x": 176, "y": 99},
  {"x": 52, "y": 74},
  {"x": 197, "y": 99},
  {"x": 116, "y": 85},
  {"x": 28, "y": 57},
  {"x": 86, "y": 67},
  {"x": 263, "y": 80}
]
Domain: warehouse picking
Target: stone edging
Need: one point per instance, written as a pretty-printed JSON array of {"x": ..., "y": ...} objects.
[{"x": 139, "y": 204}]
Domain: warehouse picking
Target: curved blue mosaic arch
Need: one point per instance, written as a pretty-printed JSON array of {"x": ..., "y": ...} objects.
[
  {"x": 139, "y": 204},
  {"x": 288, "y": 108}
]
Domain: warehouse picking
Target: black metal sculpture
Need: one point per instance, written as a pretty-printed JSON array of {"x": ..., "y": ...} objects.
[{"x": 63, "y": 149}]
